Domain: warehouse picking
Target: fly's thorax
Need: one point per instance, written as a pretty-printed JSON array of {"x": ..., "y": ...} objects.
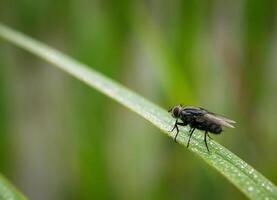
[{"x": 186, "y": 117}]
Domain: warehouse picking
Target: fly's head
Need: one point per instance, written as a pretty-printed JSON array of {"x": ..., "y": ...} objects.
[{"x": 176, "y": 111}]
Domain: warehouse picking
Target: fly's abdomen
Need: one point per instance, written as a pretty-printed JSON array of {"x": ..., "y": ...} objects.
[{"x": 214, "y": 128}]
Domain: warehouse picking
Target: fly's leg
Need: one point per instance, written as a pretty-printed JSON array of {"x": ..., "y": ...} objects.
[
  {"x": 205, "y": 139},
  {"x": 175, "y": 138},
  {"x": 177, "y": 128},
  {"x": 191, "y": 132},
  {"x": 180, "y": 124},
  {"x": 209, "y": 136}
]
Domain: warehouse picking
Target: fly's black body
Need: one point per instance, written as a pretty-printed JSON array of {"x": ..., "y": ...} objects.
[{"x": 199, "y": 118}]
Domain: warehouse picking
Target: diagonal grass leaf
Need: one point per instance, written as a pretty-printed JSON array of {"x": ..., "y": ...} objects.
[{"x": 7, "y": 191}]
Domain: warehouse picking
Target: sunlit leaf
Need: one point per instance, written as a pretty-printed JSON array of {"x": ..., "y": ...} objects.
[{"x": 8, "y": 192}]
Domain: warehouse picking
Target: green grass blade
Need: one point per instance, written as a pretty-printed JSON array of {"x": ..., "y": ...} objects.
[
  {"x": 7, "y": 191},
  {"x": 253, "y": 184}
]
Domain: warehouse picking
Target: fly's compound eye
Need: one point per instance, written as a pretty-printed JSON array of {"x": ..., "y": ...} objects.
[{"x": 176, "y": 112}]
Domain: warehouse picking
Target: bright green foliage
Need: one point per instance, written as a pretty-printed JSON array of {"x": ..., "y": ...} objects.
[{"x": 8, "y": 192}]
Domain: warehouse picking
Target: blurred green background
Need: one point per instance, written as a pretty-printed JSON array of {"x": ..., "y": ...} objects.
[{"x": 60, "y": 139}]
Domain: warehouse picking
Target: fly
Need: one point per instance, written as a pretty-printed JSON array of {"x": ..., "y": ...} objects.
[{"x": 199, "y": 118}]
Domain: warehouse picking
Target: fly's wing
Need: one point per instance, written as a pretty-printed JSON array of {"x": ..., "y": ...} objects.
[
  {"x": 220, "y": 120},
  {"x": 195, "y": 110}
]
